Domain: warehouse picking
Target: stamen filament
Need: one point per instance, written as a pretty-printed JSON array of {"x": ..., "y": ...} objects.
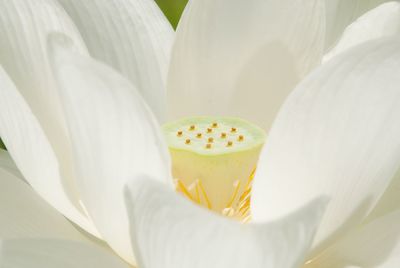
[
  {"x": 182, "y": 188},
  {"x": 235, "y": 193},
  {"x": 200, "y": 185}
]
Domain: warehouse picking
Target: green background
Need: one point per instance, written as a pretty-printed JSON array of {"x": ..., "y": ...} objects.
[{"x": 172, "y": 9}]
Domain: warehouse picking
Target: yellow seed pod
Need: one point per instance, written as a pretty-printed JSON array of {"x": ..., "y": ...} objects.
[{"x": 216, "y": 175}]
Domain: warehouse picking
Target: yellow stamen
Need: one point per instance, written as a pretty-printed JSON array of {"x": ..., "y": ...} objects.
[
  {"x": 197, "y": 200},
  {"x": 181, "y": 188},
  {"x": 247, "y": 219},
  {"x": 239, "y": 209},
  {"x": 236, "y": 186},
  {"x": 200, "y": 185},
  {"x": 187, "y": 141}
]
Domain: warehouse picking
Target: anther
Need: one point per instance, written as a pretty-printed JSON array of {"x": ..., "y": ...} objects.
[
  {"x": 214, "y": 125},
  {"x": 229, "y": 144},
  {"x": 223, "y": 135},
  {"x": 209, "y": 130},
  {"x": 211, "y": 140},
  {"x": 241, "y": 138},
  {"x": 233, "y": 130},
  {"x": 179, "y": 133},
  {"x": 208, "y": 145},
  {"x": 199, "y": 135},
  {"x": 187, "y": 141},
  {"x": 192, "y": 127}
]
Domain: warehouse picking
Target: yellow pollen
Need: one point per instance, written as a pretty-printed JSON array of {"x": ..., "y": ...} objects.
[
  {"x": 210, "y": 139},
  {"x": 223, "y": 135},
  {"x": 241, "y": 138},
  {"x": 229, "y": 144},
  {"x": 233, "y": 130},
  {"x": 209, "y": 145},
  {"x": 192, "y": 127},
  {"x": 179, "y": 133},
  {"x": 214, "y": 125},
  {"x": 188, "y": 141},
  {"x": 209, "y": 130},
  {"x": 198, "y": 135}
]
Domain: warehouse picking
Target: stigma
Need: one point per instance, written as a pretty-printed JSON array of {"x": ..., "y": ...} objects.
[{"x": 213, "y": 162}]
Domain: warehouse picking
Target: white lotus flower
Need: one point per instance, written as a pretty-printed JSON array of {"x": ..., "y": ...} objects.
[{"x": 86, "y": 139}]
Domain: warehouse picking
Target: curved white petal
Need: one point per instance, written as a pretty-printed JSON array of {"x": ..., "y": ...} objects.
[
  {"x": 390, "y": 200},
  {"x": 383, "y": 21},
  {"x": 242, "y": 58},
  {"x": 32, "y": 122},
  {"x": 114, "y": 137},
  {"x": 8, "y": 164},
  {"x": 133, "y": 36},
  {"x": 376, "y": 244},
  {"x": 32, "y": 152},
  {"x": 171, "y": 232},
  {"x": 42, "y": 253},
  {"x": 24, "y": 214},
  {"x": 341, "y": 13},
  {"x": 337, "y": 134}
]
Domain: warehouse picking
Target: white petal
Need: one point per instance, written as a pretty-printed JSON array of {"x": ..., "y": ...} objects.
[
  {"x": 341, "y": 13},
  {"x": 8, "y": 164},
  {"x": 32, "y": 123},
  {"x": 42, "y": 253},
  {"x": 114, "y": 136},
  {"x": 170, "y": 232},
  {"x": 376, "y": 244},
  {"x": 133, "y": 36},
  {"x": 24, "y": 214},
  {"x": 337, "y": 134},
  {"x": 383, "y": 21},
  {"x": 32, "y": 152},
  {"x": 242, "y": 58},
  {"x": 390, "y": 201}
]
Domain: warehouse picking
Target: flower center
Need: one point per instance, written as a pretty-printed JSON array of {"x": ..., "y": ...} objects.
[{"x": 213, "y": 161}]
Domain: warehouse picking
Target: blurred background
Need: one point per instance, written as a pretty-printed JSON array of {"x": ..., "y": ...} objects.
[{"x": 172, "y": 10}]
